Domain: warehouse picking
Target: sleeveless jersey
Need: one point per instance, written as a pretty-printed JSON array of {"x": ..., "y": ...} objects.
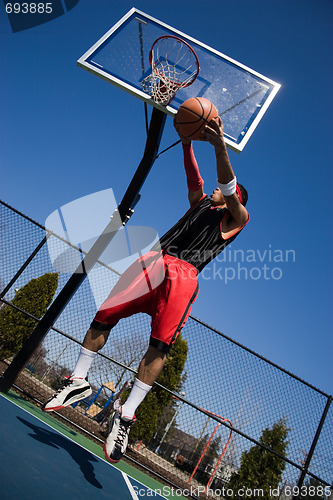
[{"x": 197, "y": 237}]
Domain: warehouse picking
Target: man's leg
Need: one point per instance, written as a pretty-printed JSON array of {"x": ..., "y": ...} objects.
[
  {"x": 94, "y": 340},
  {"x": 150, "y": 367},
  {"x": 170, "y": 308},
  {"x": 76, "y": 387}
]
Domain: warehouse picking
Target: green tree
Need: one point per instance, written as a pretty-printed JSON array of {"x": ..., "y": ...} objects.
[
  {"x": 150, "y": 410},
  {"x": 15, "y": 327},
  {"x": 261, "y": 469}
]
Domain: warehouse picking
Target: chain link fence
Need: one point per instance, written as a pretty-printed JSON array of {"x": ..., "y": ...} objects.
[{"x": 228, "y": 398}]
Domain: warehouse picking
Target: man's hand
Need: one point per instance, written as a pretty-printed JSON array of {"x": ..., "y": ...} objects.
[{"x": 213, "y": 133}]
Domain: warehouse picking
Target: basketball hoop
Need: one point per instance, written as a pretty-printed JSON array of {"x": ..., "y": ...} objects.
[{"x": 174, "y": 65}]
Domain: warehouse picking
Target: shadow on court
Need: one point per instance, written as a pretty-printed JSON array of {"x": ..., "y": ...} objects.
[{"x": 81, "y": 456}]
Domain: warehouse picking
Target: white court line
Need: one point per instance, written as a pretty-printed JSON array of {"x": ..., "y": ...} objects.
[{"x": 129, "y": 486}]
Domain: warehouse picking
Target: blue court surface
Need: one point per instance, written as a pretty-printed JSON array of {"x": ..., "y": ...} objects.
[{"x": 39, "y": 462}]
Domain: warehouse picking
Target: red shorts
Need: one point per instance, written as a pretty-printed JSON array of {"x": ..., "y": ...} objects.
[{"x": 160, "y": 285}]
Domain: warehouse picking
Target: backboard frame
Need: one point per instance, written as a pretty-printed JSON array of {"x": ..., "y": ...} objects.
[{"x": 85, "y": 62}]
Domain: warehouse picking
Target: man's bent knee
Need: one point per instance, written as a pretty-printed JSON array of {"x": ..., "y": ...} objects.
[{"x": 159, "y": 345}]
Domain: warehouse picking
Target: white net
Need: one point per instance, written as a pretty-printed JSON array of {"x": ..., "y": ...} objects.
[{"x": 174, "y": 65}]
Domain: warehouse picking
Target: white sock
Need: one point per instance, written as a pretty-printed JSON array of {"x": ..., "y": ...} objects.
[
  {"x": 83, "y": 363},
  {"x": 137, "y": 395}
]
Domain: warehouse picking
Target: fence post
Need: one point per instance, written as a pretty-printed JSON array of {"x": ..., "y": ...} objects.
[{"x": 313, "y": 446}]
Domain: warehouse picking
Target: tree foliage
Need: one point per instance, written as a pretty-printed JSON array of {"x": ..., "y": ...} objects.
[
  {"x": 150, "y": 410},
  {"x": 261, "y": 469},
  {"x": 15, "y": 327}
]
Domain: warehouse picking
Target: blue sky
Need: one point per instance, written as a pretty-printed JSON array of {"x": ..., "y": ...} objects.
[{"x": 66, "y": 134}]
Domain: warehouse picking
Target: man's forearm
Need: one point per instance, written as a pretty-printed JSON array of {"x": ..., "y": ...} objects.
[
  {"x": 193, "y": 177},
  {"x": 225, "y": 172}
]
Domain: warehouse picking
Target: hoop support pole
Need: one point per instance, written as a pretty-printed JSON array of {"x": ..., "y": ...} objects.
[{"x": 125, "y": 210}]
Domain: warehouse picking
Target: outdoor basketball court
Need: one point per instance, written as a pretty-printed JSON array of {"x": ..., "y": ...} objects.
[
  {"x": 163, "y": 67},
  {"x": 42, "y": 458}
]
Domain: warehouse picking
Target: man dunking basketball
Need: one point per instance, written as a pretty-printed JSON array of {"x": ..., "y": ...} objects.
[{"x": 199, "y": 236}]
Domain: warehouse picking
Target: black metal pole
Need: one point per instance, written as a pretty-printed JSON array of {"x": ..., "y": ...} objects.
[
  {"x": 313, "y": 446},
  {"x": 124, "y": 212}
]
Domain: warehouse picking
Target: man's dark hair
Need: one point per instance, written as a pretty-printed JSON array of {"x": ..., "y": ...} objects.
[{"x": 244, "y": 193}]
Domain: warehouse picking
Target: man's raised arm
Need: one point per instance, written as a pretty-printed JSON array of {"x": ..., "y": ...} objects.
[
  {"x": 193, "y": 177},
  {"x": 225, "y": 175}
]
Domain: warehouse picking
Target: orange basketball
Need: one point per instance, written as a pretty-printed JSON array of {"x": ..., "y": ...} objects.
[{"x": 193, "y": 115}]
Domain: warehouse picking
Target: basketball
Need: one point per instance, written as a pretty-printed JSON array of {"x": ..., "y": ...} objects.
[{"x": 193, "y": 115}]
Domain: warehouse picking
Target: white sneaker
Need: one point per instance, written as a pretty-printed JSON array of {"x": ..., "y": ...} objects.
[
  {"x": 117, "y": 440},
  {"x": 73, "y": 390}
]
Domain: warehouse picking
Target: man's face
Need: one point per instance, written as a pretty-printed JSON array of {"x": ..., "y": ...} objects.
[{"x": 217, "y": 198}]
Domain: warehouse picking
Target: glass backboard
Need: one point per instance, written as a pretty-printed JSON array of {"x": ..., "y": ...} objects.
[{"x": 240, "y": 94}]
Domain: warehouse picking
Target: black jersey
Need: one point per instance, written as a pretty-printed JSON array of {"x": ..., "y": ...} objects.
[{"x": 197, "y": 237}]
